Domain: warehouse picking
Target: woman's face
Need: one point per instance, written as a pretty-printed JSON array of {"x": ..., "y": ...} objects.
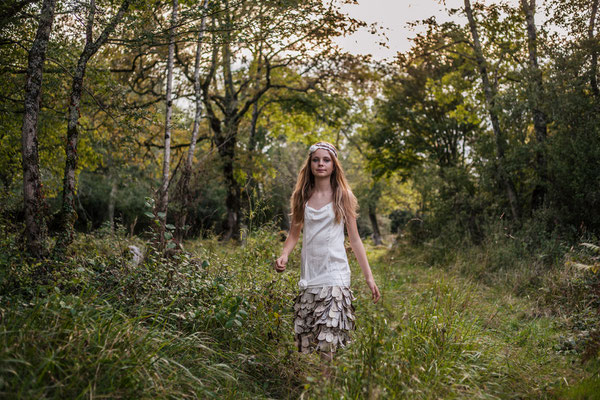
[{"x": 321, "y": 163}]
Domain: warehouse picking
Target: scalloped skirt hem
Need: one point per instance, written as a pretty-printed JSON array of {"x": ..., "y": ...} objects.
[{"x": 323, "y": 318}]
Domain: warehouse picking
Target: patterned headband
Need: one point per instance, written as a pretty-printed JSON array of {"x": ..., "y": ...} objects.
[{"x": 324, "y": 146}]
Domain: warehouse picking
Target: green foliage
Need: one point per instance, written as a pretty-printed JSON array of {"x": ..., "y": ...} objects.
[
  {"x": 94, "y": 196},
  {"x": 440, "y": 335},
  {"x": 210, "y": 323},
  {"x": 574, "y": 158},
  {"x": 529, "y": 263},
  {"x": 70, "y": 346},
  {"x": 431, "y": 128},
  {"x": 215, "y": 321},
  {"x": 580, "y": 297},
  {"x": 426, "y": 114}
]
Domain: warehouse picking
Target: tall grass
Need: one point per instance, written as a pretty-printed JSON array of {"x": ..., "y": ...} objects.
[
  {"x": 215, "y": 322},
  {"x": 66, "y": 346},
  {"x": 440, "y": 334},
  {"x": 209, "y": 324}
]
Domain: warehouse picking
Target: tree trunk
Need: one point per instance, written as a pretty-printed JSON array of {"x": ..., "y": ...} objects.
[
  {"x": 373, "y": 200},
  {"x": 535, "y": 100},
  {"x": 68, "y": 213},
  {"x": 594, "y": 58},
  {"x": 539, "y": 117},
  {"x": 226, "y": 146},
  {"x": 184, "y": 183},
  {"x": 491, "y": 106},
  {"x": 163, "y": 194},
  {"x": 251, "y": 183},
  {"x": 374, "y": 225},
  {"x": 112, "y": 199},
  {"x": 225, "y": 126},
  {"x": 35, "y": 226}
]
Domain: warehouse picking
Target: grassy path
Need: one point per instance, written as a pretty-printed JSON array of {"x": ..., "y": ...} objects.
[{"x": 438, "y": 335}]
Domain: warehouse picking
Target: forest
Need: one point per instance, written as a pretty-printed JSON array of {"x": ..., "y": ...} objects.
[{"x": 148, "y": 152}]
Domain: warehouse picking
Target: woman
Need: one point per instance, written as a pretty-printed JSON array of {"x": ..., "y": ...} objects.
[{"x": 322, "y": 203}]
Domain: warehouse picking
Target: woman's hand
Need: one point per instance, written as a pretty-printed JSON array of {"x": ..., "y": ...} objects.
[
  {"x": 280, "y": 263},
  {"x": 374, "y": 290}
]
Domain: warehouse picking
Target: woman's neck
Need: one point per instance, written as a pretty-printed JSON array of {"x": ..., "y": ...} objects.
[{"x": 322, "y": 185}]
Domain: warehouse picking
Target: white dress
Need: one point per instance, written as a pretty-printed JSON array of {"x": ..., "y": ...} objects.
[
  {"x": 324, "y": 260},
  {"x": 323, "y": 310}
]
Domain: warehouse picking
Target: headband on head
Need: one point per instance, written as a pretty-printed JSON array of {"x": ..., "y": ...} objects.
[{"x": 324, "y": 146}]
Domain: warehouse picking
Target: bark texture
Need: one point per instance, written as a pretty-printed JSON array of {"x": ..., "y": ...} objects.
[
  {"x": 490, "y": 100},
  {"x": 68, "y": 212},
  {"x": 35, "y": 226}
]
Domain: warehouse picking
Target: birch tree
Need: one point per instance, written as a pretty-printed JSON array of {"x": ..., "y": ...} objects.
[
  {"x": 162, "y": 203},
  {"x": 184, "y": 182},
  {"x": 35, "y": 227}
]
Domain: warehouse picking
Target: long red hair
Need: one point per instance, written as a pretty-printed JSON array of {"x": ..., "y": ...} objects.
[{"x": 344, "y": 202}]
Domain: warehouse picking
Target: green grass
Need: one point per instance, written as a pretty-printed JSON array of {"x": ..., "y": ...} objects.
[
  {"x": 209, "y": 325},
  {"x": 216, "y": 323},
  {"x": 438, "y": 334}
]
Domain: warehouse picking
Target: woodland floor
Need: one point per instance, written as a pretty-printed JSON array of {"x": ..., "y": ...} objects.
[
  {"x": 440, "y": 335},
  {"x": 216, "y": 322}
]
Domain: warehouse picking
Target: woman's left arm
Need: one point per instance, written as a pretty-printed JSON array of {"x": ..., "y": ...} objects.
[{"x": 361, "y": 257}]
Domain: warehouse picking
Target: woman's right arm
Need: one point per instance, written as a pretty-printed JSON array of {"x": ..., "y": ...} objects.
[{"x": 288, "y": 246}]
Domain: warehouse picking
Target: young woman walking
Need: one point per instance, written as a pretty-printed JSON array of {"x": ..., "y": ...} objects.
[{"x": 322, "y": 203}]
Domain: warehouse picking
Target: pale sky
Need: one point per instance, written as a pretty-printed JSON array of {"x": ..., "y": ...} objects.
[{"x": 393, "y": 16}]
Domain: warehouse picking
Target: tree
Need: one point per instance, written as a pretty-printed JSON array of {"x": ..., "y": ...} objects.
[
  {"x": 297, "y": 36},
  {"x": 489, "y": 92},
  {"x": 68, "y": 213},
  {"x": 535, "y": 100},
  {"x": 594, "y": 45},
  {"x": 184, "y": 182},
  {"x": 427, "y": 111},
  {"x": 162, "y": 202},
  {"x": 573, "y": 148},
  {"x": 35, "y": 229}
]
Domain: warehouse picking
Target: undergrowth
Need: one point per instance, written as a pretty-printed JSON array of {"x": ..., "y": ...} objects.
[
  {"x": 440, "y": 335},
  {"x": 211, "y": 322},
  {"x": 214, "y": 321}
]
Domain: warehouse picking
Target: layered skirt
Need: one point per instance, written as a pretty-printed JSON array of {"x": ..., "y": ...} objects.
[{"x": 323, "y": 318}]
